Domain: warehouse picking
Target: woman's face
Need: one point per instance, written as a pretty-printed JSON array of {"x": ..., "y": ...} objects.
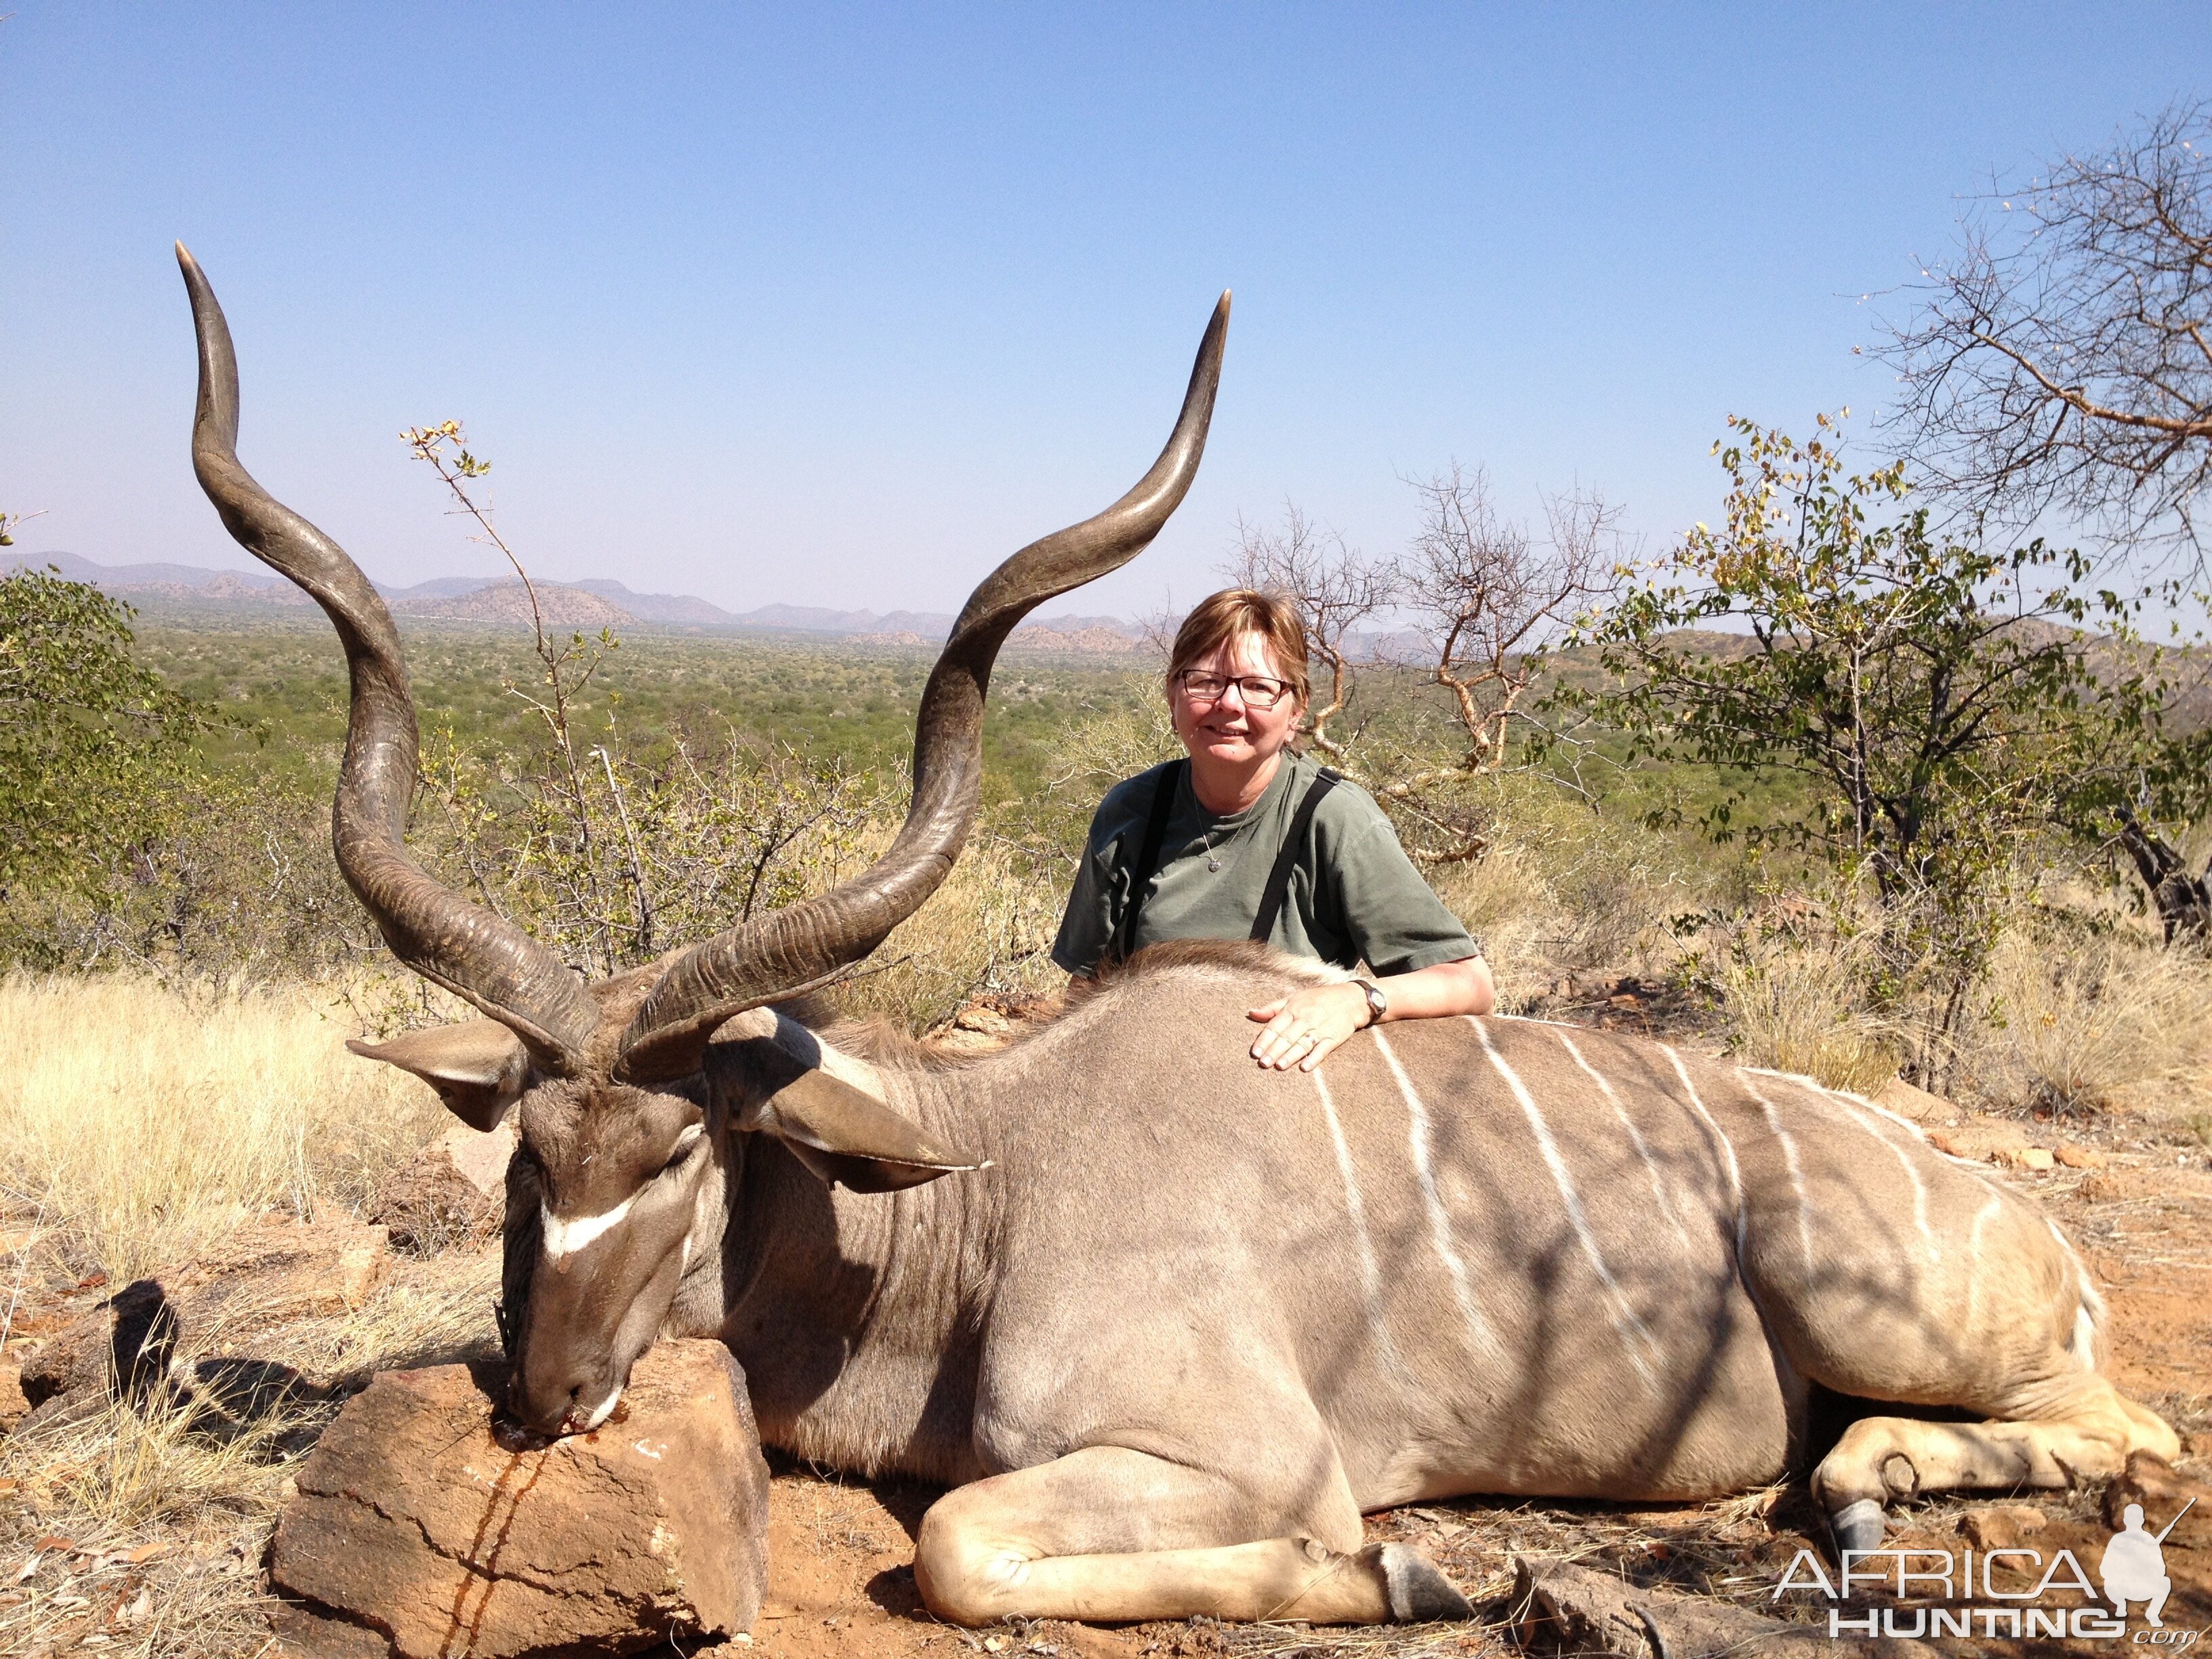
[{"x": 1226, "y": 730}]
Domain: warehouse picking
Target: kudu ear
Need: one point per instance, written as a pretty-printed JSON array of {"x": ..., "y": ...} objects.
[
  {"x": 478, "y": 1066},
  {"x": 842, "y": 1135}
]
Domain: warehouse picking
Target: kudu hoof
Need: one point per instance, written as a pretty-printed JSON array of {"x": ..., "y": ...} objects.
[
  {"x": 1856, "y": 1526},
  {"x": 1417, "y": 1592}
]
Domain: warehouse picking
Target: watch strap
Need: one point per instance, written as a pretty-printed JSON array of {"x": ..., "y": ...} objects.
[{"x": 1378, "y": 1001}]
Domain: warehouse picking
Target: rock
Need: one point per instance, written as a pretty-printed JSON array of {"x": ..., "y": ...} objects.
[
  {"x": 414, "y": 1522},
  {"x": 1909, "y": 1101},
  {"x": 2164, "y": 1492},
  {"x": 984, "y": 1027},
  {"x": 453, "y": 1192},
  {"x": 1561, "y": 1607},
  {"x": 1980, "y": 1138},
  {"x": 14, "y": 1407},
  {"x": 2002, "y": 1526},
  {"x": 2079, "y": 1157},
  {"x": 262, "y": 1276},
  {"x": 981, "y": 1016}
]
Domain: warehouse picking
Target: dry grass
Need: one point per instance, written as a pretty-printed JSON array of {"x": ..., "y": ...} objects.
[
  {"x": 138, "y": 1123},
  {"x": 1793, "y": 1006},
  {"x": 986, "y": 931},
  {"x": 190, "y": 1491},
  {"x": 2078, "y": 1024},
  {"x": 1565, "y": 892},
  {"x": 144, "y": 1118}
]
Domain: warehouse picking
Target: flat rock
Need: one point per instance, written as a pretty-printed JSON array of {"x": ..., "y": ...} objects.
[
  {"x": 1981, "y": 1138},
  {"x": 263, "y": 1277},
  {"x": 2164, "y": 1492},
  {"x": 1909, "y": 1100},
  {"x": 2002, "y": 1526},
  {"x": 453, "y": 1192},
  {"x": 1560, "y": 1608},
  {"x": 416, "y": 1532}
]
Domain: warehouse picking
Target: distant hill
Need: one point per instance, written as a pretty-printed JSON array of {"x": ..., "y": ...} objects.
[
  {"x": 679, "y": 609},
  {"x": 591, "y": 604},
  {"x": 559, "y": 605}
]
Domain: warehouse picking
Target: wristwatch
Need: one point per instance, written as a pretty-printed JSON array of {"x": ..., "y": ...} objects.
[{"x": 1377, "y": 1004}]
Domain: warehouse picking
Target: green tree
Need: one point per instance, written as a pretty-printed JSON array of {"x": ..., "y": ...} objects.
[
  {"x": 87, "y": 733},
  {"x": 1935, "y": 700}
]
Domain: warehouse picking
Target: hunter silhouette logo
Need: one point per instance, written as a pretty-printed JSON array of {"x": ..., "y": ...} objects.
[
  {"x": 2134, "y": 1567},
  {"x": 1974, "y": 1602}
]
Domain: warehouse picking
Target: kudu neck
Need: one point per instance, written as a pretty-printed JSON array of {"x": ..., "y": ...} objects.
[{"x": 854, "y": 1314}]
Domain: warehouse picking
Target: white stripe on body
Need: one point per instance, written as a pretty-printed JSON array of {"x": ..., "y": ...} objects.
[
  {"x": 1631, "y": 1328},
  {"x": 1370, "y": 1276},
  {"x": 2089, "y": 1303},
  {"x": 1796, "y": 1170},
  {"x": 1440, "y": 1227},
  {"x": 567, "y": 1238},
  {"x": 1974, "y": 1254},
  {"x": 1727, "y": 1150},
  {"x": 1635, "y": 1138},
  {"x": 1858, "y": 1112}
]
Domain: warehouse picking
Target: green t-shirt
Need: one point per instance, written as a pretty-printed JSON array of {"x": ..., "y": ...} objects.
[{"x": 1354, "y": 896}]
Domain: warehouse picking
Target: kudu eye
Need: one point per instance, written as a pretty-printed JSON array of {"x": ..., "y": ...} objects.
[{"x": 690, "y": 1137}]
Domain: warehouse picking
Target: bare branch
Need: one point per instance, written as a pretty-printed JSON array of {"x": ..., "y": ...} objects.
[
  {"x": 2059, "y": 361},
  {"x": 1485, "y": 594},
  {"x": 1335, "y": 588}
]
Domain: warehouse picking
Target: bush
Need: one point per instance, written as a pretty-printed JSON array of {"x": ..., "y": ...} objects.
[
  {"x": 1793, "y": 1006},
  {"x": 1564, "y": 890},
  {"x": 86, "y": 733},
  {"x": 2074, "y": 1023}
]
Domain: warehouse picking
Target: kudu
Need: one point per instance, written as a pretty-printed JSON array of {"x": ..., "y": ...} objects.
[{"x": 1175, "y": 1322}]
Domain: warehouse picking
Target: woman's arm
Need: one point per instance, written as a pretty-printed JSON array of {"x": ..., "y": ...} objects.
[{"x": 1304, "y": 1028}]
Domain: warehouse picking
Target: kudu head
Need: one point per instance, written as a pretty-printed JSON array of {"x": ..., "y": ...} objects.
[{"x": 618, "y": 1163}]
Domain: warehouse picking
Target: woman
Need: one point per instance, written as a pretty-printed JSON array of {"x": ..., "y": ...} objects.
[{"x": 1245, "y": 840}]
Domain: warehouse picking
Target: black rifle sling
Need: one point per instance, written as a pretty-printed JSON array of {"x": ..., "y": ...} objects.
[
  {"x": 1148, "y": 859},
  {"x": 1278, "y": 878}
]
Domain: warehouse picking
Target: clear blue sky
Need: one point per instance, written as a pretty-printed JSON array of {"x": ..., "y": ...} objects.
[{"x": 838, "y": 306}]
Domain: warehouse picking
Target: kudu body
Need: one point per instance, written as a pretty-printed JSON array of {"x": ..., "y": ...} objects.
[{"x": 1173, "y": 1323}]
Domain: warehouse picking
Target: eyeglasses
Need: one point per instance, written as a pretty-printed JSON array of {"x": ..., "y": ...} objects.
[{"x": 1257, "y": 689}]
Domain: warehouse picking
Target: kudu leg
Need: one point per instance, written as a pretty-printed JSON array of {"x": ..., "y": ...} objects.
[
  {"x": 1101, "y": 1534},
  {"x": 2088, "y": 1434}
]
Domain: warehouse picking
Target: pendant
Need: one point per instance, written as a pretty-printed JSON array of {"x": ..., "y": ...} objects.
[{"x": 1213, "y": 864}]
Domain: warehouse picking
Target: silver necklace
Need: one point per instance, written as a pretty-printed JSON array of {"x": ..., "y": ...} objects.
[{"x": 1212, "y": 858}]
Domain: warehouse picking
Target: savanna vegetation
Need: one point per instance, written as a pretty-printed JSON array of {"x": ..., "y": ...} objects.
[{"x": 1860, "y": 780}]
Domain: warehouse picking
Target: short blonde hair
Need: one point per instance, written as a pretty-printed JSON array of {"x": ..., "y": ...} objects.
[{"x": 1220, "y": 617}]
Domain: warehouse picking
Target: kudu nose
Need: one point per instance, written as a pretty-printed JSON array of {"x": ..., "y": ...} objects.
[
  {"x": 564, "y": 1400},
  {"x": 555, "y": 1404}
]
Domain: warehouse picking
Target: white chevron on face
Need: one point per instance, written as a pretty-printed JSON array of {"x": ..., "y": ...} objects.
[
  {"x": 1440, "y": 1227},
  {"x": 1634, "y": 1335},
  {"x": 564, "y": 1238},
  {"x": 1371, "y": 1275},
  {"x": 1635, "y": 1138}
]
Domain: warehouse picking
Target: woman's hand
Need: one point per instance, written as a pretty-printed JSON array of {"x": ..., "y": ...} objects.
[{"x": 1306, "y": 1027}]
